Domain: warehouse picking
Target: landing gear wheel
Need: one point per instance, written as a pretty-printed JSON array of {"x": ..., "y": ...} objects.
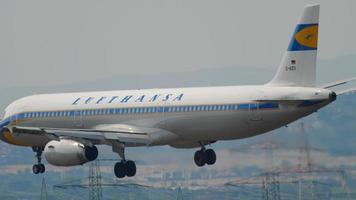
[
  {"x": 125, "y": 167},
  {"x": 210, "y": 157},
  {"x": 119, "y": 170},
  {"x": 42, "y": 168},
  {"x": 36, "y": 169},
  {"x": 130, "y": 168},
  {"x": 200, "y": 158}
]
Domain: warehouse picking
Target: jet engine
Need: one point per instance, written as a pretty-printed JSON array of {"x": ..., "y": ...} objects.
[{"x": 69, "y": 153}]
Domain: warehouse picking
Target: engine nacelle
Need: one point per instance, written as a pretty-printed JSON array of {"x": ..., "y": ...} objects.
[{"x": 69, "y": 153}]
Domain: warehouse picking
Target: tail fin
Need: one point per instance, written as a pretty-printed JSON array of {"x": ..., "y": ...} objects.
[{"x": 298, "y": 65}]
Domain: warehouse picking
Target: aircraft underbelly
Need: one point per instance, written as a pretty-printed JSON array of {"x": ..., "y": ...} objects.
[{"x": 230, "y": 125}]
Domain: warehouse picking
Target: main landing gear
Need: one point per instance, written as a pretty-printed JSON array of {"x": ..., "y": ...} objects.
[
  {"x": 204, "y": 156},
  {"x": 39, "y": 167},
  {"x": 124, "y": 167}
]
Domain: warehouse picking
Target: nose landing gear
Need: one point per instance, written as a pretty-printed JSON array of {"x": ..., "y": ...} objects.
[{"x": 39, "y": 167}]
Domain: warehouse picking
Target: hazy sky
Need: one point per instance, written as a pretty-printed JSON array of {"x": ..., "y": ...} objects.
[{"x": 55, "y": 42}]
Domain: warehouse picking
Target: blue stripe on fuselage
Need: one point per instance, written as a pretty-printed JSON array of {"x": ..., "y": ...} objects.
[
  {"x": 142, "y": 110},
  {"x": 307, "y": 103},
  {"x": 136, "y": 110}
]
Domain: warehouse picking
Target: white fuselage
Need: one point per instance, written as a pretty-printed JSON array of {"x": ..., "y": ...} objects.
[{"x": 192, "y": 114}]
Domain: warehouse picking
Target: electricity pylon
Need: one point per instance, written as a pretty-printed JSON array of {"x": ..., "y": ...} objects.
[{"x": 95, "y": 190}]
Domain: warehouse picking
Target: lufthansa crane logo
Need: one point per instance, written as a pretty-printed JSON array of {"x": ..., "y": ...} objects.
[
  {"x": 308, "y": 36},
  {"x": 305, "y": 38}
]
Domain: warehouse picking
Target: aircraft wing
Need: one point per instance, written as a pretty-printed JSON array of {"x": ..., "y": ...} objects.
[
  {"x": 127, "y": 134},
  {"x": 337, "y": 83}
]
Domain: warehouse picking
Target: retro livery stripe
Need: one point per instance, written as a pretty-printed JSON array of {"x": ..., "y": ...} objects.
[
  {"x": 139, "y": 110},
  {"x": 16, "y": 119}
]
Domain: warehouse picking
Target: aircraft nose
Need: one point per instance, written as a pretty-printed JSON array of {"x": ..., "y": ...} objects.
[{"x": 332, "y": 96}]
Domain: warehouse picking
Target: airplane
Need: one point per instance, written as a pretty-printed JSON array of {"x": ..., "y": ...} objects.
[{"x": 68, "y": 127}]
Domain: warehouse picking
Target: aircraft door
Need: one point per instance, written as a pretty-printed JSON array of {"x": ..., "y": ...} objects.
[
  {"x": 15, "y": 118},
  {"x": 78, "y": 119},
  {"x": 255, "y": 112}
]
